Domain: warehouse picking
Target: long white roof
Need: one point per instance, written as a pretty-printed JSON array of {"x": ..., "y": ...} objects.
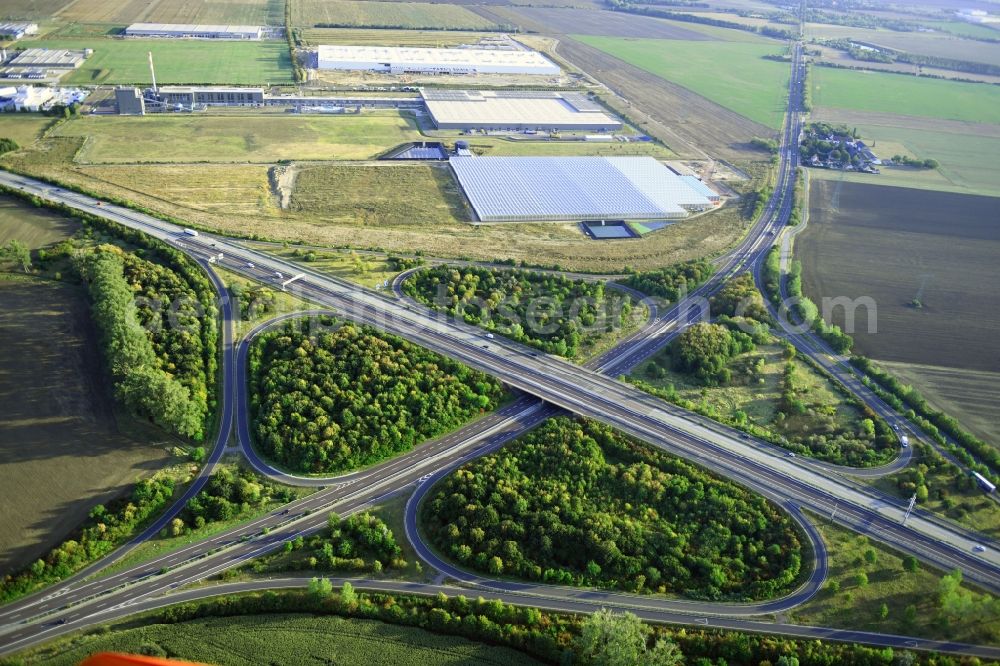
[
  {"x": 571, "y": 188},
  {"x": 432, "y": 56},
  {"x": 508, "y": 108}
]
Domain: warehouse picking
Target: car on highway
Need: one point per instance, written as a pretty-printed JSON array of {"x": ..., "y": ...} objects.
[
  {"x": 979, "y": 548},
  {"x": 790, "y": 454},
  {"x": 278, "y": 275},
  {"x": 250, "y": 264},
  {"x": 489, "y": 336}
]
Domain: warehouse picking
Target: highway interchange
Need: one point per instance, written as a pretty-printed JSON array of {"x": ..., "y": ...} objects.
[{"x": 547, "y": 385}]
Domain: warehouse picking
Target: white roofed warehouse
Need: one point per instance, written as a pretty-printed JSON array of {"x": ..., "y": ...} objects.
[
  {"x": 411, "y": 60},
  {"x": 512, "y": 110},
  {"x": 192, "y": 30},
  {"x": 526, "y": 189}
]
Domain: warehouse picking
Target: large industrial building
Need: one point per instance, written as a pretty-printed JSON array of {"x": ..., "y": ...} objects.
[
  {"x": 15, "y": 30},
  {"x": 525, "y": 189},
  {"x": 191, "y": 30},
  {"x": 49, "y": 58},
  {"x": 188, "y": 96},
  {"x": 408, "y": 60},
  {"x": 504, "y": 110}
]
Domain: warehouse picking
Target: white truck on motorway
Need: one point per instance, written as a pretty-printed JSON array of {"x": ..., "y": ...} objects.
[{"x": 190, "y": 232}]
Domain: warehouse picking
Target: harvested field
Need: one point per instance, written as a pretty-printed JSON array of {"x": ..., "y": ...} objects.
[
  {"x": 225, "y": 189},
  {"x": 370, "y": 195},
  {"x": 966, "y": 151},
  {"x": 908, "y": 95},
  {"x": 23, "y": 127},
  {"x": 429, "y": 38},
  {"x": 246, "y": 138},
  {"x": 971, "y": 396},
  {"x": 691, "y": 125},
  {"x": 31, "y": 9},
  {"x": 241, "y": 12},
  {"x": 549, "y": 20},
  {"x": 35, "y": 227},
  {"x": 62, "y": 449},
  {"x": 361, "y": 13},
  {"x": 898, "y": 245},
  {"x": 177, "y": 61},
  {"x": 735, "y": 75}
]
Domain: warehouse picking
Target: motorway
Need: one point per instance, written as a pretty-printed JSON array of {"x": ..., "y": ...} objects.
[{"x": 581, "y": 390}]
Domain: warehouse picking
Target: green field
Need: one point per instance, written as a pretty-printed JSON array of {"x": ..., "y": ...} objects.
[
  {"x": 905, "y": 95},
  {"x": 732, "y": 74},
  {"x": 23, "y": 127},
  {"x": 964, "y": 29},
  {"x": 177, "y": 61},
  {"x": 249, "y": 138},
  {"x": 362, "y": 13},
  {"x": 287, "y": 639}
]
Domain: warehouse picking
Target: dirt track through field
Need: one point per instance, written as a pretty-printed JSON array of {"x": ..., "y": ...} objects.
[{"x": 698, "y": 122}]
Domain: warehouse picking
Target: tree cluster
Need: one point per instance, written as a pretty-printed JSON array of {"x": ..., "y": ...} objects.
[
  {"x": 672, "y": 282},
  {"x": 362, "y": 542},
  {"x": 230, "y": 492},
  {"x": 547, "y": 311},
  {"x": 575, "y": 502},
  {"x": 351, "y": 396},
  {"x": 739, "y": 297},
  {"x": 704, "y": 350},
  {"x": 155, "y": 365},
  {"x": 17, "y": 253},
  {"x": 106, "y": 528},
  {"x": 253, "y": 301},
  {"x": 7, "y": 145}
]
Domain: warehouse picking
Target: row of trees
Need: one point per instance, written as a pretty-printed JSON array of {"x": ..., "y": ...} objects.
[
  {"x": 106, "y": 528},
  {"x": 971, "y": 450},
  {"x": 575, "y": 502},
  {"x": 672, "y": 282},
  {"x": 350, "y": 396},
  {"x": 603, "y": 638},
  {"x": 142, "y": 376},
  {"x": 545, "y": 310},
  {"x": 7, "y": 145},
  {"x": 362, "y": 542}
]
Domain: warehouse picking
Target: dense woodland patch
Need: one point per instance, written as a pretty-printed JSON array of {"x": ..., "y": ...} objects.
[
  {"x": 351, "y": 396},
  {"x": 576, "y": 502},
  {"x": 547, "y": 311}
]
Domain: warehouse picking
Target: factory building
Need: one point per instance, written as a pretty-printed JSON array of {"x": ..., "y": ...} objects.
[
  {"x": 527, "y": 189},
  {"x": 129, "y": 101},
  {"x": 197, "y": 31},
  {"x": 503, "y": 110},
  {"x": 15, "y": 30},
  {"x": 188, "y": 96},
  {"x": 49, "y": 58},
  {"x": 408, "y": 60}
]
